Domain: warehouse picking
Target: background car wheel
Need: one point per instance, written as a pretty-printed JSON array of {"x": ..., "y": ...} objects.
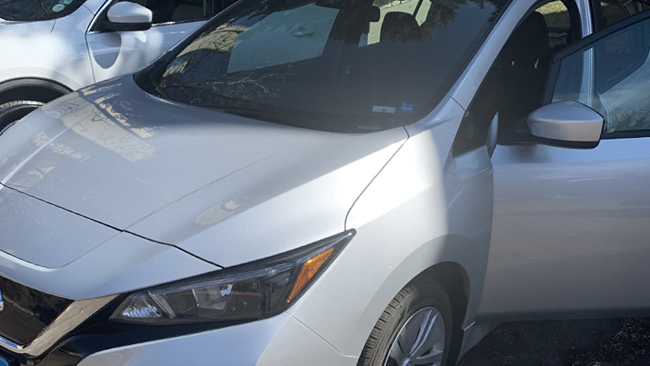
[
  {"x": 415, "y": 329},
  {"x": 15, "y": 110}
]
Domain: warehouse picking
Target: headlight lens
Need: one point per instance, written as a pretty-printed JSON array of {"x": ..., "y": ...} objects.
[{"x": 251, "y": 291}]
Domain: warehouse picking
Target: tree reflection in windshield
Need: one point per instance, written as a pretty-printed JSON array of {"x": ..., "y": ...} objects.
[{"x": 350, "y": 64}]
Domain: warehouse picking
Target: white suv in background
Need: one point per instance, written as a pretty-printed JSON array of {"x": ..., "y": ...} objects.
[{"x": 51, "y": 47}]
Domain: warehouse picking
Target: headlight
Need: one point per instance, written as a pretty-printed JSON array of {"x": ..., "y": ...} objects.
[{"x": 250, "y": 291}]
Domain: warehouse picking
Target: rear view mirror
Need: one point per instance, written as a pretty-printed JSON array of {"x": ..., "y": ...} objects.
[
  {"x": 368, "y": 13},
  {"x": 567, "y": 124},
  {"x": 127, "y": 16}
]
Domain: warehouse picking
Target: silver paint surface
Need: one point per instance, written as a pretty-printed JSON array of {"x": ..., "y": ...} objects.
[
  {"x": 566, "y": 121},
  {"x": 571, "y": 231},
  {"x": 280, "y": 340},
  {"x": 44, "y": 235}
]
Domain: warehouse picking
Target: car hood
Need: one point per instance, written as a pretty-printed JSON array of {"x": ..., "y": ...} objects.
[
  {"x": 133, "y": 162},
  {"x": 52, "y": 249}
]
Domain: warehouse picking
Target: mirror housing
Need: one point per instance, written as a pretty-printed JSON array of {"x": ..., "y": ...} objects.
[
  {"x": 567, "y": 124},
  {"x": 126, "y": 16}
]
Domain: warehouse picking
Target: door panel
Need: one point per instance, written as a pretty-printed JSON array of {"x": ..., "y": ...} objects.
[
  {"x": 571, "y": 227},
  {"x": 570, "y": 232}
]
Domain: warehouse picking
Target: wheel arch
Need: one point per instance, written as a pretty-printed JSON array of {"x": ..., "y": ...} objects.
[
  {"x": 453, "y": 277},
  {"x": 454, "y": 262},
  {"x": 42, "y": 90},
  {"x": 449, "y": 259}
]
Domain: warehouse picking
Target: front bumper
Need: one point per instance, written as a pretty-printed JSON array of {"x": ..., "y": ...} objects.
[{"x": 277, "y": 341}]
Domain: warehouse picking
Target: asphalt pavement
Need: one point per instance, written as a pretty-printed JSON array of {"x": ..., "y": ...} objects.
[{"x": 612, "y": 342}]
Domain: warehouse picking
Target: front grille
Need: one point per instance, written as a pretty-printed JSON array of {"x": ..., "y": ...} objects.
[{"x": 27, "y": 312}]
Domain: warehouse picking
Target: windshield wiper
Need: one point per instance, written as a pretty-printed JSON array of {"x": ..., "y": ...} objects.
[{"x": 161, "y": 92}]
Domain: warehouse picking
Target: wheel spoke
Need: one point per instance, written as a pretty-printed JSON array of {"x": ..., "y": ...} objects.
[
  {"x": 433, "y": 358},
  {"x": 437, "y": 337},
  {"x": 410, "y": 334},
  {"x": 426, "y": 339},
  {"x": 420, "y": 341}
]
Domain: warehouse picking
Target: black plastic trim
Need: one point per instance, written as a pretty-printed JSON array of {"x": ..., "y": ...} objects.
[
  {"x": 518, "y": 134},
  {"x": 104, "y": 25},
  {"x": 626, "y": 135},
  {"x": 27, "y": 312}
]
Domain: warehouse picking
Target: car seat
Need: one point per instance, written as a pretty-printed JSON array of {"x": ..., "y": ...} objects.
[{"x": 525, "y": 64}]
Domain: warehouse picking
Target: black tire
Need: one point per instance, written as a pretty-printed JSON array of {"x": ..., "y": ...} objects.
[
  {"x": 15, "y": 110},
  {"x": 417, "y": 296}
]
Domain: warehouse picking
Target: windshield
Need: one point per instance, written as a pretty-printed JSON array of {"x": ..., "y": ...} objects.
[
  {"x": 34, "y": 10},
  {"x": 338, "y": 65}
]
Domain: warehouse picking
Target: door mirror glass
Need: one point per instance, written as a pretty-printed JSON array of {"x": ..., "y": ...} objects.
[
  {"x": 128, "y": 16},
  {"x": 566, "y": 124}
]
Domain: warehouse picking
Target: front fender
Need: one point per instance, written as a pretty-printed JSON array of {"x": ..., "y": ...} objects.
[{"x": 423, "y": 209}]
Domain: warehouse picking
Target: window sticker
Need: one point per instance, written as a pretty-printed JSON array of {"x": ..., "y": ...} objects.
[
  {"x": 383, "y": 109},
  {"x": 65, "y": 2},
  {"x": 58, "y": 7},
  {"x": 407, "y": 107}
]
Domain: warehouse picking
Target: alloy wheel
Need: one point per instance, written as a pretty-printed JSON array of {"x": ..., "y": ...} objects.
[{"x": 420, "y": 341}]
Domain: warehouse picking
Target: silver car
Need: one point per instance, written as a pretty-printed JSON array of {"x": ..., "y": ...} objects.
[{"x": 334, "y": 182}]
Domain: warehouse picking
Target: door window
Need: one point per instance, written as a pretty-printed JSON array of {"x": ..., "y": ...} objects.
[
  {"x": 174, "y": 11},
  {"x": 166, "y": 11},
  {"x": 609, "y": 12},
  {"x": 612, "y": 75}
]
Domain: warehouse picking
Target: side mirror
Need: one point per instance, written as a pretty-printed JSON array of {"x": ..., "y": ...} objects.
[
  {"x": 126, "y": 16},
  {"x": 567, "y": 124}
]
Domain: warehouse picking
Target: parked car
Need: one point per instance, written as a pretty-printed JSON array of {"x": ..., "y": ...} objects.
[
  {"x": 333, "y": 182},
  {"x": 51, "y": 47}
]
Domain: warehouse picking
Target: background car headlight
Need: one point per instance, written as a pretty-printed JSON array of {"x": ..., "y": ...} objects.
[{"x": 250, "y": 291}]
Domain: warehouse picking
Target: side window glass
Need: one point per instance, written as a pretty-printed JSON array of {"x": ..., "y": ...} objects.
[
  {"x": 612, "y": 76},
  {"x": 608, "y": 12},
  {"x": 171, "y": 11},
  {"x": 165, "y": 11}
]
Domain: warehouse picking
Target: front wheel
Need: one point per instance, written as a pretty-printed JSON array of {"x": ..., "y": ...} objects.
[
  {"x": 414, "y": 329},
  {"x": 15, "y": 110}
]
